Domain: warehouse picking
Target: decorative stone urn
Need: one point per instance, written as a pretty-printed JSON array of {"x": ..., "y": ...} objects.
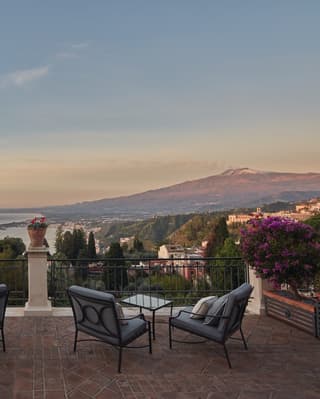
[
  {"x": 37, "y": 236},
  {"x": 37, "y": 230}
]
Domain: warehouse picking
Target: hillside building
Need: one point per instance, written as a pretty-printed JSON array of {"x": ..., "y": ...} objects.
[{"x": 185, "y": 261}]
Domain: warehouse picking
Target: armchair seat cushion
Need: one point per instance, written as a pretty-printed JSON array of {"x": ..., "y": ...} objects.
[
  {"x": 196, "y": 326},
  {"x": 129, "y": 332},
  {"x": 132, "y": 330}
]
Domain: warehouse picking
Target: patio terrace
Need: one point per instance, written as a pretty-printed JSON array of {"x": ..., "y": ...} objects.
[{"x": 282, "y": 362}]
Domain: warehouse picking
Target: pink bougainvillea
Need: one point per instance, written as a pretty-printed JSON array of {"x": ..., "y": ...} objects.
[
  {"x": 37, "y": 223},
  {"x": 281, "y": 250}
]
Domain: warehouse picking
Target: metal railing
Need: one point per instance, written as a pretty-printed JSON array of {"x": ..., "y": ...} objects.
[
  {"x": 182, "y": 280},
  {"x": 14, "y": 273}
]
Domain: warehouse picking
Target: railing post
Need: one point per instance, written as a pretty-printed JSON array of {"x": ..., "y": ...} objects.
[
  {"x": 38, "y": 304},
  {"x": 256, "y": 304}
]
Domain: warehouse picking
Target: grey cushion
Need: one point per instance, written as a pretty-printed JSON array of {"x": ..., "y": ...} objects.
[
  {"x": 93, "y": 294},
  {"x": 241, "y": 294},
  {"x": 196, "y": 326},
  {"x": 129, "y": 332},
  {"x": 3, "y": 289},
  {"x": 216, "y": 310}
]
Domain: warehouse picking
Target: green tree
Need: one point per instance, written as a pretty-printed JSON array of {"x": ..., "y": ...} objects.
[
  {"x": 115, "y": 275},
  {"x": 13, "y": 273},
  {"x": 92, "y": 254},
  {"x": 229, "y": 249},
  {"x": 67, "y": 245},
  {"x": 80, "y": 248},
  {"x": 11, "y": 247},
  {"x": 314, "y": 221},
  {"x": 138, "y": 245},
  {"x": 59, "y": 240},
  {"x": 217, "y": 237},
  {"x": 115, "y": 251}
]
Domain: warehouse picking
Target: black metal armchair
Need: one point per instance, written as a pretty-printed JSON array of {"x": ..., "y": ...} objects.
[
  {"x": 4, "y": 294},
  {"x": 218, "y": 327},
  {"x": 95, "y": 314}
]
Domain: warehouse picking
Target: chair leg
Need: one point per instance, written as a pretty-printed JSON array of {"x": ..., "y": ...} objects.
[
  {"x": 227, "y": 355},
  {"x": 170, "y": 336},
  {"x": 75, "y": 341},
  {"x": 120, "y": 359},
  {"x": 150, "y": 340},
  {"x": 3, "y": 342},
  {"x": 243, "y": 339}
]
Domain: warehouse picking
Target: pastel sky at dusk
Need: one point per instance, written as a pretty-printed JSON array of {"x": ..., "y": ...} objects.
[{"x": 106, "y": 98}]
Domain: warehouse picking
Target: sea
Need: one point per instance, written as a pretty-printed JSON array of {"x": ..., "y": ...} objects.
[{"x": 19, "y": 230}]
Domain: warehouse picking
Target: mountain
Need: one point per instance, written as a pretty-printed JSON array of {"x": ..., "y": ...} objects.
[{"x": 233, "y": 188}]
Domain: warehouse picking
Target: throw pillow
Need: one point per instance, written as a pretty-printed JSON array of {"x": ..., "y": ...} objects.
[
  {"x": 120, "y": 314},
  {"x": 202, "y": 306},
  {"x": 216, "y": 309}
]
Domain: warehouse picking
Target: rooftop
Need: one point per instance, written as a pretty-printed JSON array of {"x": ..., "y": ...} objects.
[{"x": 282, "y": 362}]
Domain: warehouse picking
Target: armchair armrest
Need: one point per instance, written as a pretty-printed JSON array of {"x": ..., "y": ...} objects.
[
  {"x": 139, "y": 316},
  {"x": 192, "y": 313},
  {"x": 186, "y": 311}
]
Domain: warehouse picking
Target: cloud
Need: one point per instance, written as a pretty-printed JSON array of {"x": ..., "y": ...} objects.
[
  {"x": 22, "y": 77},
  {"x": 72, "y": 50},
  {"x": 78, "y": 46},
  {"x": 67, "y": 54}
]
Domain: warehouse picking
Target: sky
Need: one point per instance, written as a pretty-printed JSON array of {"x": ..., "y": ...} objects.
[{"x": 106, "y": 98}]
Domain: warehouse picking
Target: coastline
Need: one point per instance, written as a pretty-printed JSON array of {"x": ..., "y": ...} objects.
[{"x": 18, "y": 229}]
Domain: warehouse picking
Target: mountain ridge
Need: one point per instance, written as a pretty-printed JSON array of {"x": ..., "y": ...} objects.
[{"x": 234, "y": 188}]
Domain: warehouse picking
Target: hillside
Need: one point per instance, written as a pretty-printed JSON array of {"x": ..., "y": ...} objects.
[
  {"x": 194, "y": 231},
  {"x": 156, "y": 229},
  {"x": 235, "y": 188}
]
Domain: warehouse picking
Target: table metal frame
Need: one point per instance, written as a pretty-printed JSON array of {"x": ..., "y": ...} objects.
[{"x": 132, "y": 301}]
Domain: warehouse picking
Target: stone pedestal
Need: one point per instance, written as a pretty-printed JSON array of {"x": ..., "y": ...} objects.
[
  {"x": 38, "y": 304},
  {"x": 256, "y": 304}
]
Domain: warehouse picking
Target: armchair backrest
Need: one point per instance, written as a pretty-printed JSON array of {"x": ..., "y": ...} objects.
[
  {"x": 234, "y": 309},
  {"x": 94, "y": 312},
  {"x": 4, "y": 293}
]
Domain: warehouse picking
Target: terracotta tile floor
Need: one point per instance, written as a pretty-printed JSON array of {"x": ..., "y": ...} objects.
[{"x": 282, "y": 362}]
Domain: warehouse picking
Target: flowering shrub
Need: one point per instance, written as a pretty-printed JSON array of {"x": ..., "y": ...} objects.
[
  {"x": 281, "y": 250},
  {"x": 38, "y": 223}
]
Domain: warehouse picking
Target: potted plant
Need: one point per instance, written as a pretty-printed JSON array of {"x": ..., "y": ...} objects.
[
  {"x": 285, "y": 252},
  {"x": 37, "y": 230}
]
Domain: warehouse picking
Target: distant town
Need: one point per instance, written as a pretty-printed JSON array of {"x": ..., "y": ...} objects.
[{"x": 174, "y": 249}]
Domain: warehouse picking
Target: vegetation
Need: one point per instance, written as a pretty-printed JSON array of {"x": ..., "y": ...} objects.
[
  {"x": 74, "y": 245},
  {"x": 282, "y": 250},
  {"x": 216, "y": 238},
  {"x": 92, "y": 253},
  {"x": 229, "y": 249},
  {"x": 13, "y": 267},
  {"x": 115, "y": 275},
  {"x": 11, "y": 248},
  {"x": 155, "y": 229},
  {"x": 314, "y": 221},
  {"x": 278, "y": 206},
  {"x": 195, "y": 230}
]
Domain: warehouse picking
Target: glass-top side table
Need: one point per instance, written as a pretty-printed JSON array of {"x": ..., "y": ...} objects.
[{"x": 148, "y": 302}]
